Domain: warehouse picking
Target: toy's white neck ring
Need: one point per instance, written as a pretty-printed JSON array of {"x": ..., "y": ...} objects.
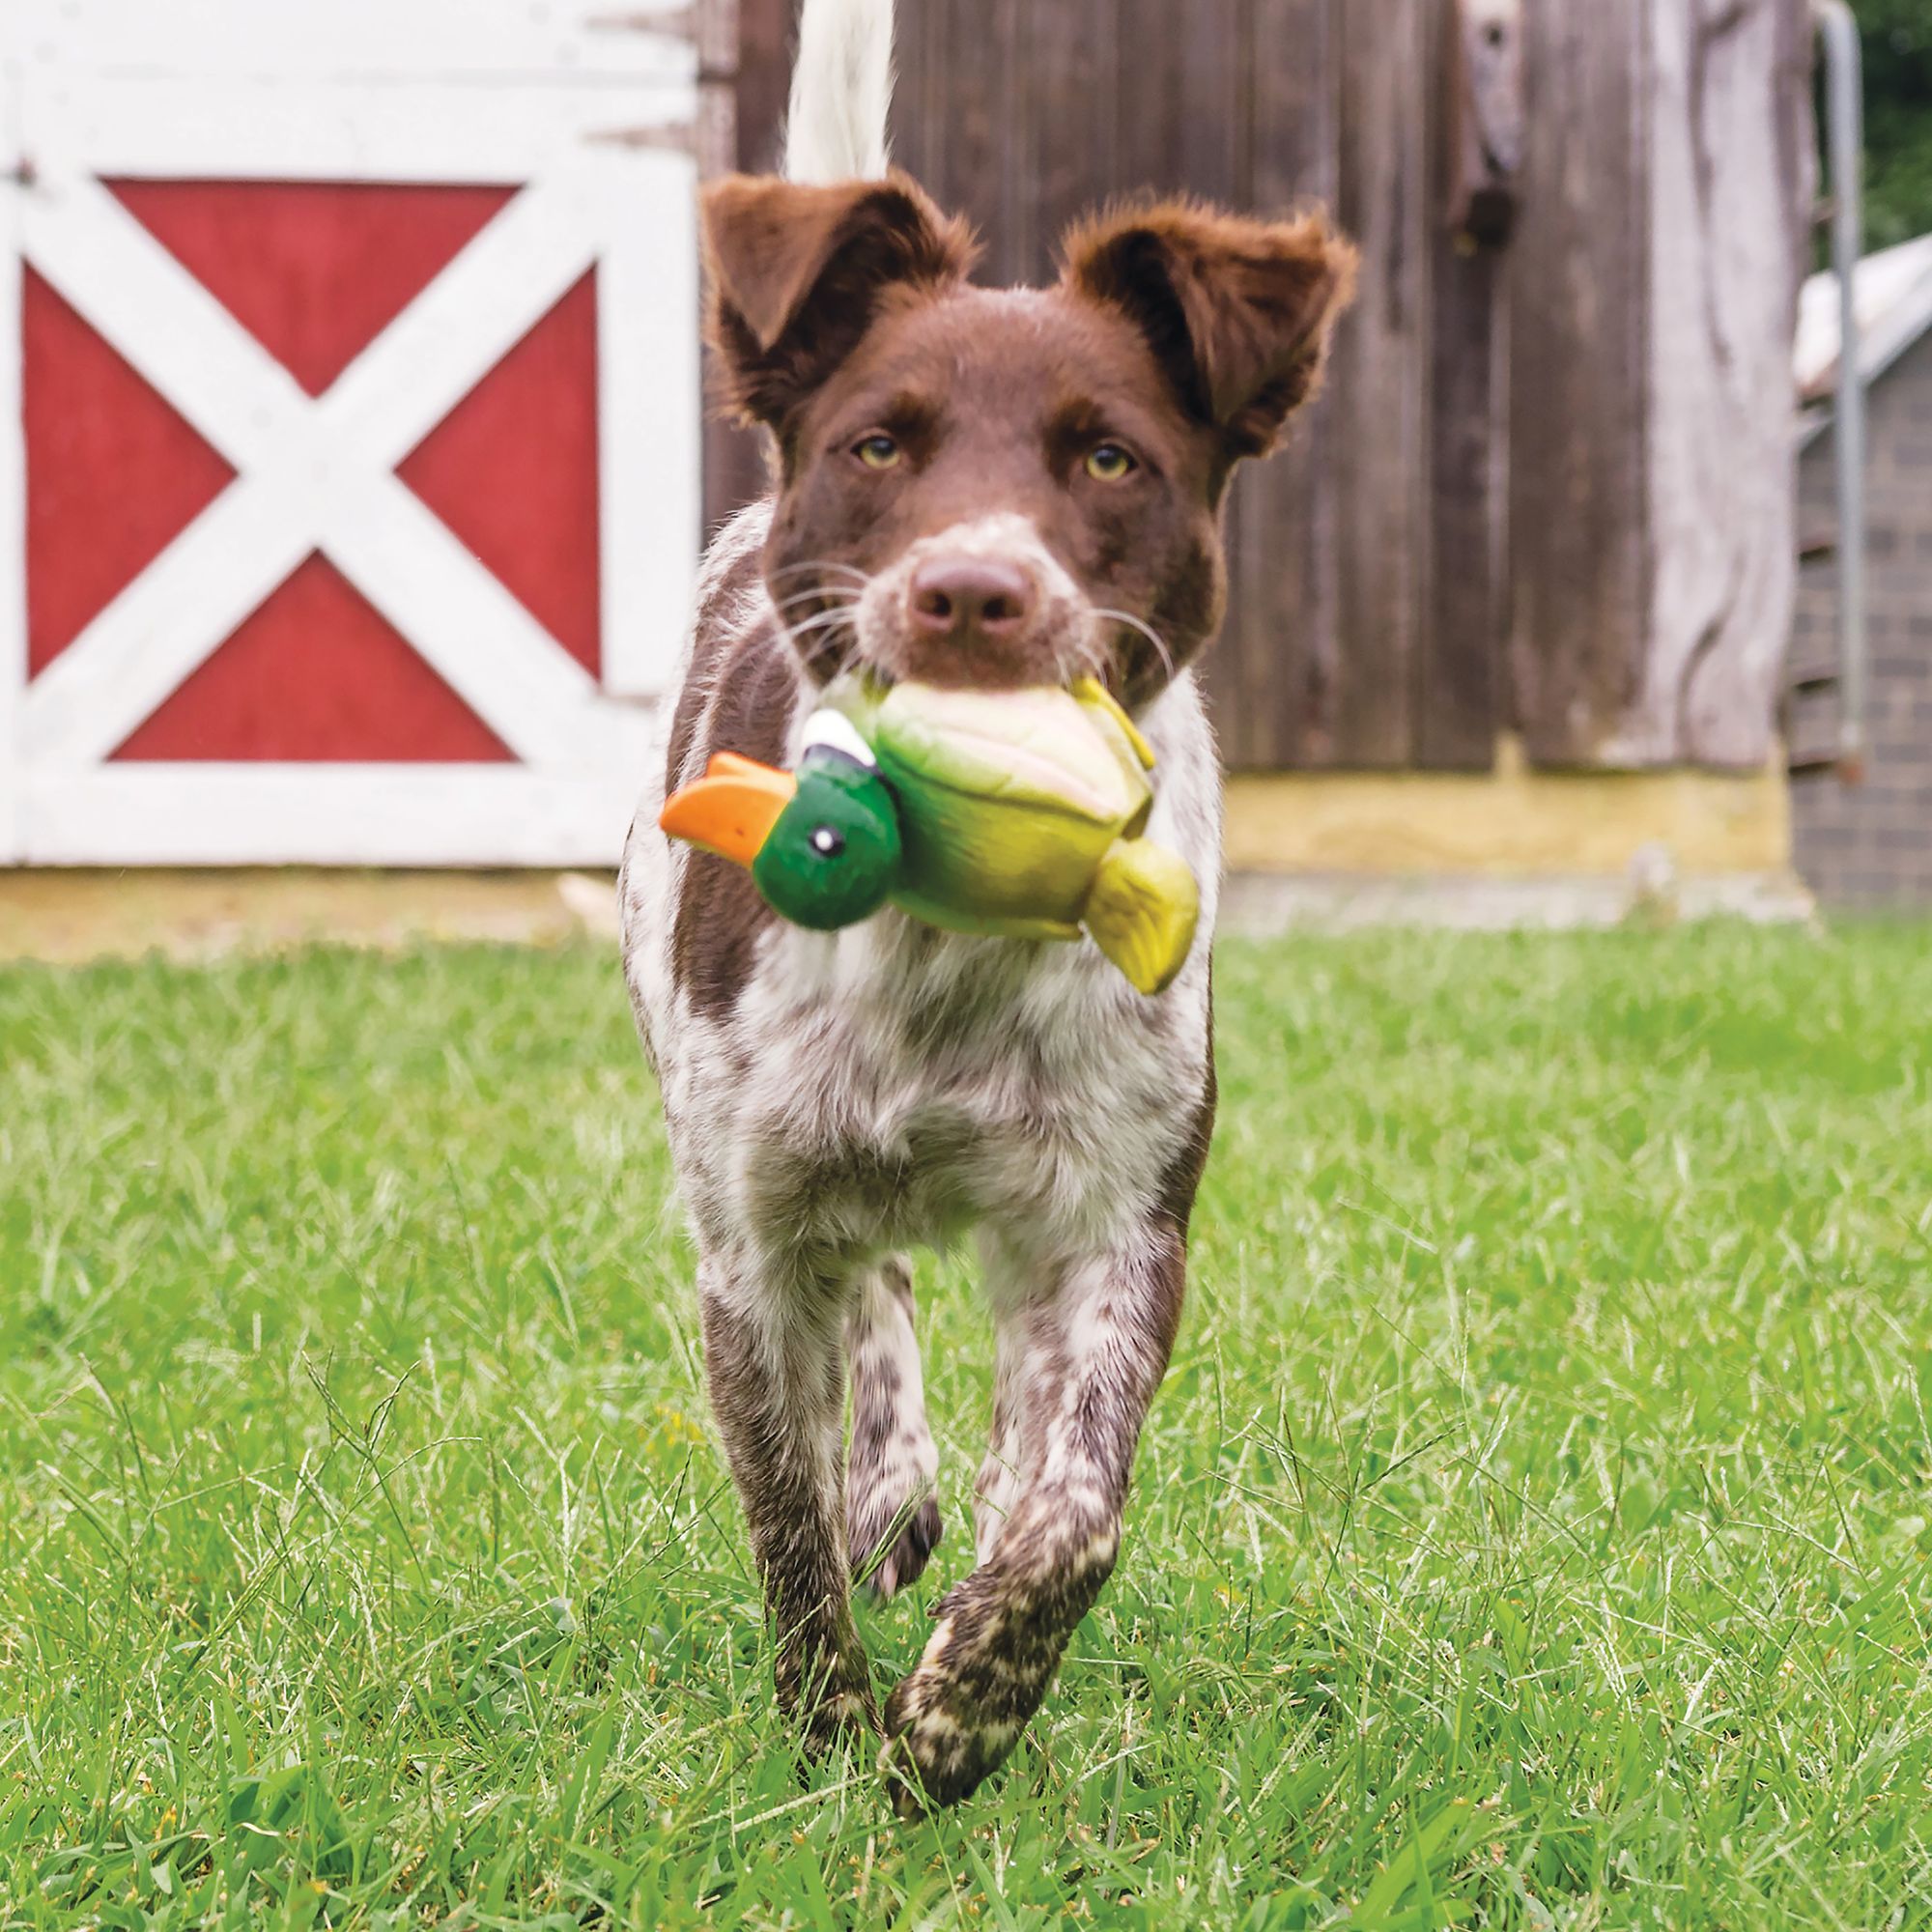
[{"x": 834, "y": 729}]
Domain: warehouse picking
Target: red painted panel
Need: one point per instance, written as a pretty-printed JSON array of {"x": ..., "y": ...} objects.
[
  {"x": 512, "y": 470},
  {"x": 317, "y": 672},
  {"x": 314, "y": 270},
  {"x": 114, "y": 474}
]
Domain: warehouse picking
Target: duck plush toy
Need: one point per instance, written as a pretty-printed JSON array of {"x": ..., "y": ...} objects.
[{"x": 1012, "y": 812}]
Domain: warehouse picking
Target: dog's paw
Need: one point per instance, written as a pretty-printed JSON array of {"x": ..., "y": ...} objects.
[
  {"x": 832, "y": 1714},
  {"x": 937, "y": 1753},
  {"x": 825, "y": 1688},
  {"x": 834, "y": 1717},
  {"x": 950, "y": 1724},
  {"x": 890, "y": 1542}
]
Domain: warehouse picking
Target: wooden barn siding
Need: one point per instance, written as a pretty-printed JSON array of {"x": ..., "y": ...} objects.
[
  {"x": 1328, "y": 657},
  {"x": 1461, "y": 536}
]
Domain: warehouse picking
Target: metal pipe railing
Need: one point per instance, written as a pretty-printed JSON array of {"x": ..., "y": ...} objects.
[{"x": 1844, "y": 134}]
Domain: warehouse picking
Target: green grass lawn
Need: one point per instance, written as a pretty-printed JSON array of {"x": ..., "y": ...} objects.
[{"x": 1534, "y": 1528}]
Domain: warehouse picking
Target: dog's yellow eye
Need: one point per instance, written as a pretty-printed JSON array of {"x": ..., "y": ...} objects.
[
  {"x": 877, "y": 451},
  {"x": 1108, "y": 462}
]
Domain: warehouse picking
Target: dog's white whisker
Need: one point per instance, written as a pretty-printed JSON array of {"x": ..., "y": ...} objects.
[
  {"x": 1147, "y": 631},
  {"x": 822, "y": 564},
  {"x": 835, "y": 594},
  {"x": 810, "y": 636},
  {"x": 825, "y": 620}
]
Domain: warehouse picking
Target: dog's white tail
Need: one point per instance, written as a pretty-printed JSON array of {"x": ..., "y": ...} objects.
[{"x": 841, "y": 89}]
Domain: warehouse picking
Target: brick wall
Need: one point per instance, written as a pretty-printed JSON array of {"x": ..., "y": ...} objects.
[{"x": 1871, "y": 844}]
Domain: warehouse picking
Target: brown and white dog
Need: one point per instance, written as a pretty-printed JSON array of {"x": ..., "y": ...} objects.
[{"x": 975, "y": 487}]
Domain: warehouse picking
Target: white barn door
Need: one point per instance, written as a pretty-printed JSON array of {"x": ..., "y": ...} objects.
[{"x": 349, "y": 425}]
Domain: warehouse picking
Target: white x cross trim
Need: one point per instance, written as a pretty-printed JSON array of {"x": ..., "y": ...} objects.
[{"x": 315, "y": 473}]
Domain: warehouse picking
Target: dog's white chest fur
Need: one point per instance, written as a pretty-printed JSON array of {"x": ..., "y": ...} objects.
[{"x": 892, "y": 1085}]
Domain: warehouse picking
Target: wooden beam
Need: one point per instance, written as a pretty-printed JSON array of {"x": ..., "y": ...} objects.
[
  {"x": 1458, "y": 670},
  {"x": 1727, "y": 252},
  {"x": 1378, "y": 458},
  {"x": 754, "y": 67},
  {"x": 1578, "y": 285},
  {"x": 763, "y": 76}
]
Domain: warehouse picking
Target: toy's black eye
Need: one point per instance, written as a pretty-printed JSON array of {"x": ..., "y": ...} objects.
[
  {"x": 1108, "y": 462},
  {"x": 828, "y": 841},
  {"x": 877, "y": 451}
]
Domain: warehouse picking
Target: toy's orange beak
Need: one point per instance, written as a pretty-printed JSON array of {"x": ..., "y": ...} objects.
[{"x": 732, "y": 810}]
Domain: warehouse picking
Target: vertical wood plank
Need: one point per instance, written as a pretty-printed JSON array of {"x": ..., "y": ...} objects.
[
  {"x": 1213, "y": 92},
  {"x": 1271, "y": 679},
  {"x": 1378, "y": 453},
  {"x": 974, "y": 51},
  {"x": 1457, "y": 709},
  {"x": 1147, "y": 82},
  {"x": 734, "y": 458},
  {"x": 1578, "y": 274},
  {"x": 1182, "y": 90},
  {"x": 919, "y": 109},
  {"x": 1072, "y": 63},
  {"x": 1456, "y": 717},
  {"x": 766, "y": 34}
]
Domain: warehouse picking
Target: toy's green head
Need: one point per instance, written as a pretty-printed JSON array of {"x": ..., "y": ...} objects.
[
  {"x": 833, "y": 854},
  {"x": 823, "y": 846}
]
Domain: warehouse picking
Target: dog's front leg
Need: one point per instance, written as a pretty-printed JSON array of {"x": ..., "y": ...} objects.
[
  {"x": 1091, "y": 1344},
  {"x": 891, "y": 1517},
  {"x": 774, "y": 1357}
]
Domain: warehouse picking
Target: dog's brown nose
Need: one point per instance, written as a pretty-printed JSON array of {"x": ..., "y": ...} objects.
[{"x": 956, "y": 596}]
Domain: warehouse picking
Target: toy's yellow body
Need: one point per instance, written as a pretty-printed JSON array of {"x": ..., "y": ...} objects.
[
  {"x": 1020, "y": 809},
  {"x": 1017, "y": 813}
]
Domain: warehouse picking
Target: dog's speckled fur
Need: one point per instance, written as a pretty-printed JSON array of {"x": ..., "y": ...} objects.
[
  {"x": 835, "y": 1099},
  {"x": 871, "y": 1089}
]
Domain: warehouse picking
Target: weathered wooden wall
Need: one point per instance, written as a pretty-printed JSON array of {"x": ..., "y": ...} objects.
[
  {"x": 1731, "y": 154},
  {"x": 1547, "y": 487},
  {"x": 1328, "y": 654},
  {"x": 1666, "y": 199}
]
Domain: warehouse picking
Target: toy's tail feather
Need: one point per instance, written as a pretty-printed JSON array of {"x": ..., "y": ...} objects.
[
  {"x": 841, "y": 90},
  {"x": 1142, "y": 911}
]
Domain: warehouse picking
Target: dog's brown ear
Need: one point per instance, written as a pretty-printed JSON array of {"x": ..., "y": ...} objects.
[
  {"x": 797, "y": 273},
  {"x": 1238, "y": 311}
]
